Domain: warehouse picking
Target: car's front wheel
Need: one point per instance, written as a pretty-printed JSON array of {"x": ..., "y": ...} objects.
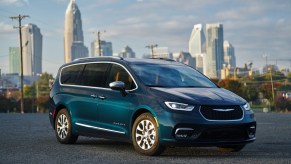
[
  {"x": 145, "y": 135},
  {"x": 63, "y": 128}
]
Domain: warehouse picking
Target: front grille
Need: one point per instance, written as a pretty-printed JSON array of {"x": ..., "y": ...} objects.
[{"x": 221, "y": 113}]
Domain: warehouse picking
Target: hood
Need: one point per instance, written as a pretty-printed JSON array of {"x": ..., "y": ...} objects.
[{"x": 201, "y": 96}]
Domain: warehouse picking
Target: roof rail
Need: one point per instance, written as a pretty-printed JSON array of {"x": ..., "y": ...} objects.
[
  {"x": 167, "y": 59},
  {"x": 88, "y": 58}
]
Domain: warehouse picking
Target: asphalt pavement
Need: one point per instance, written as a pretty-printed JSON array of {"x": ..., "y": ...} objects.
[{"x": 29, "y": 138}]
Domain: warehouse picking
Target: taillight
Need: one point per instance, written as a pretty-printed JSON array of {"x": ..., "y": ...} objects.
[
  {"x": 51, "y": 87},
  {"x": 51, "y": 83}
]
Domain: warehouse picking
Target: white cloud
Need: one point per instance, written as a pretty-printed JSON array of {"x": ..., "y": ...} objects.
[
  {"x": 6, "y": 28},
  {"x": 14, "y": 2}
]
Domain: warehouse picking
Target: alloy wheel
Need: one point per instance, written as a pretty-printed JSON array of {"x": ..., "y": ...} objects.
[
  {"x": 62, "y": 126},
  {"x": 145, "y": 134}
]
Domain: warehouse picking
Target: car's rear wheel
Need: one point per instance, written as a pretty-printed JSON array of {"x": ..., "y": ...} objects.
[
  {"x": 63, "y": 128},
  {"x": 145, "y": 135},
  {"x": 231, "y": 148}
]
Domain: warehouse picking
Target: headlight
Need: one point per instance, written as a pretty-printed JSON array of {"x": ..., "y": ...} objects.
[
  {"x": 179, "y": 106},
  {"x": 247, "y": 106}
]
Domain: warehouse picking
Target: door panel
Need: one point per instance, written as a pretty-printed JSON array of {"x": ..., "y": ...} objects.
[
  {"x": 114, "y": 110},
  {"x": 113, "y": 107}
]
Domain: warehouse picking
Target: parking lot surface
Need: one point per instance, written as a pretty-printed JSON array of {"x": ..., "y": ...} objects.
[{"x": 29, "y": 138}]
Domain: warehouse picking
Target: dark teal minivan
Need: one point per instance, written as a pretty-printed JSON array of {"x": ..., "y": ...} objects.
[{"x": 152, "y": 103}]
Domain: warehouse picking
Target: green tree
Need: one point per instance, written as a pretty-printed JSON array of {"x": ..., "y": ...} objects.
[
  {"x": 42, "y": 91},
  {"x": 250, "y": 93},
  {"x": 266, "y": 89},
  {"x": 232, "y": 85}
]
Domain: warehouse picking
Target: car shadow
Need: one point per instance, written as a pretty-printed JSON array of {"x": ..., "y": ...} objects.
[{"x": 124, "y": 147}]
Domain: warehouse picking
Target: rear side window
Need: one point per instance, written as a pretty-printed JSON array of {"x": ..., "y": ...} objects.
[
  {"x": 94, "y": 74},
  {"x": 70, "y": 75}
]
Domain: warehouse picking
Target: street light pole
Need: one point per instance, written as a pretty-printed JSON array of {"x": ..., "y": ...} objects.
[{"x": 272, "y": 84}]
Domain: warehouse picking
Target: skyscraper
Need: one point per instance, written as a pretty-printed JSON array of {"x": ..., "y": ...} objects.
[
  {"x": 32, "y": 50},
  {"x": 106, "y": 48},
  {"x": 14, "y": 60},
  {"x": 197, "y": 45},
  {"x": 214, "y": 49},
  {"x": 73, "y": 34},
  {"x": 229, "y": 55}
]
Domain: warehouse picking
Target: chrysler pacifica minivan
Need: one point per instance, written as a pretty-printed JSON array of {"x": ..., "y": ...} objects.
[{"x": 151, "y": 103}]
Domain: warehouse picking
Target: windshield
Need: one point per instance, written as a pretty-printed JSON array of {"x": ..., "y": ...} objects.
[{"x": 157, "y": 75}]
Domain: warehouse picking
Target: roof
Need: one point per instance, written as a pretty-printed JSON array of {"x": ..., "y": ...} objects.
[{"x": 127, "y": 60}]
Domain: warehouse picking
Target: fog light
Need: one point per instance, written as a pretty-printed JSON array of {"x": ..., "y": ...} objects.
[
  {"x": 252, "y": 131},
  {"x": 184, "y": 133}
]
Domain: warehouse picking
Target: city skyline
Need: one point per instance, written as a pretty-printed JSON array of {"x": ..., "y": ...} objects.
[{"x": 255, "y": 28}]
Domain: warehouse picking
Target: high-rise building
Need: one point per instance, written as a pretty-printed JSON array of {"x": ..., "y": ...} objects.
[
  {"x": 185, "y": 57},
  {"x": 106, "y": 48},
  {"x": 73, "y": 34},
  {"x": 229, "y": 55},
  {"x": 127, "y": 52},
  {"x": 32, "y": 50},
  {"x": 14, "y": 60},
  {"x": 197, "y": 45},
  {"x": 214, "y": 50}
]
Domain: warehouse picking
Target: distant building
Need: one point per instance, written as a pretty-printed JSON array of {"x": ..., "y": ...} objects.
[
  {"x": 236, "y": 72},
  {"x": 106, "y": 48},
  {"x": 14, "y": 60},
  {"x": 214, "y": 50},
  {"x": 229, "y": 54},
  {"x": 32, "y": 50},
  {"x": 185, "y": 57},
  {"x": 12, "y": 80},
  {"x": 161, "y": 52},
  {"x": 127, "y": 52},
  {"x": 268, "y": 67},
  {"x": 202, "y": 63},
  {"x": 73, "y": 34},
  {"x": 197, "y": 43}
]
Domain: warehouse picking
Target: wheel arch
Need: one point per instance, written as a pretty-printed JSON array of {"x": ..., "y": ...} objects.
[
  {"x": 57, "y": 109},
  {"x": 140, "y": 111}
]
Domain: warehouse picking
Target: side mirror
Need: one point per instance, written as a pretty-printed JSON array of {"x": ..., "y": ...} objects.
[{"x": 118, "y": 86}]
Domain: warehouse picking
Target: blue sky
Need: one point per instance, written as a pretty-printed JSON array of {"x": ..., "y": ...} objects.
[{"x": 254, "y": 27}]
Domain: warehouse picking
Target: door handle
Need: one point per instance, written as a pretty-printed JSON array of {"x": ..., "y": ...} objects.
[
  {"x": 102, "y": 97},
  {"x": 94, "y": 96}
]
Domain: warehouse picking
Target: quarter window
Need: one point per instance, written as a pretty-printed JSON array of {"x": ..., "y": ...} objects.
[{"x": 70, "y": 75}]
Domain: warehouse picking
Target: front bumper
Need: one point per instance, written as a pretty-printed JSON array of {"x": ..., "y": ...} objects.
[{"x": 191, "y": 129}]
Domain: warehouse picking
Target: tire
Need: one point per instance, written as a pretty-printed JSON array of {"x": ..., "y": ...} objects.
[
  {"x": 63, "y": 128},
  {"x": 145, "y": 135},
  {"x": 231, "y": 148}
]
